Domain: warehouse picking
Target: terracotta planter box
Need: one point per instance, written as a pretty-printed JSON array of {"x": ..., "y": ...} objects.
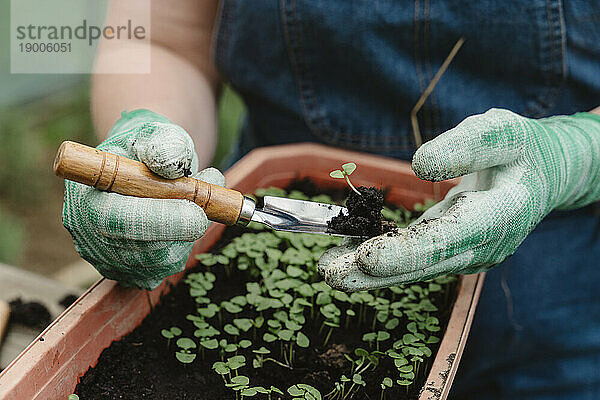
[{"x": 50, "y": 367}]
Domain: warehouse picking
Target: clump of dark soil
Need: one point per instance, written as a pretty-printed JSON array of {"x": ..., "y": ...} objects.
[
  {"x": 364, "y": 214},
  {"x": 31, "y": 314}
]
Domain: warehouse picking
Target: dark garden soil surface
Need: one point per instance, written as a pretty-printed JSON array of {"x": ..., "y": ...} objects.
[{"x": 142, "y": 365}]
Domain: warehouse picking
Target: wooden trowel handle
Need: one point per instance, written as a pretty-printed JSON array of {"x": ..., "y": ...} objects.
[{"x": 113, "y": 173}]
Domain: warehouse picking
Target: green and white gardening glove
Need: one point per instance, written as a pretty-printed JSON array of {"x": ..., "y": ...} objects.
[
  {"x": 136, "y": 241},
  {"x": 520, "y": 169}
]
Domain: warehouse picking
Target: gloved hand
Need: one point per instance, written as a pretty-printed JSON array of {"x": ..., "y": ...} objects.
[
  {"x": 520, "y": 170},
  {"x": 136, "y": 241}
]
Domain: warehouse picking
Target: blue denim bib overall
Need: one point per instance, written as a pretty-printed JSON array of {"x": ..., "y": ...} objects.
[{"x": 347, "y": 73}]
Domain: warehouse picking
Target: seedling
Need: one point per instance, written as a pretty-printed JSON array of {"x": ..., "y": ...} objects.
[
  {"x": 226, "y": 348},
  {"x": 222, "y": 369},
  {"x": 238, "y": 383},
  {"x": 236, "y": 362},
  {"x": 205, "y": 330},
  {"x": 302, "y": 391},
  {"x": 252, "y": 391},
  {"x": 356, "y": 380},
  {"x": 386, "y": 383},
  {"x": 339, "y": 391},
  {"x": 170, "y": 333},
  {"x": 344, "y": 173},
  {"x": 261, "y": 359},
  {"x": 184, "y": 355},
  {"x": 270, "y": 391},
  {"x": 210, "y": 344}
]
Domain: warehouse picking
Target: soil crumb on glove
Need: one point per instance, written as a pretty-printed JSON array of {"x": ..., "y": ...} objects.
[
  {"x": 31, "y": 314},
  {"x": 67, "y": 300},
  {"x": 364, "y": 214}
]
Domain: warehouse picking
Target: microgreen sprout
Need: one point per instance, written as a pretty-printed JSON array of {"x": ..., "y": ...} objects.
[
  {"x": 170, "y": 333},
  {"x": 238, "y": 383},
  {"x": 386, "y": 383},
  {"x": 184, "y": 354},
  {"x": 344, "y": 173},
  {"x": 301, "y": 391},
  {"x": 222, "y": 369}
]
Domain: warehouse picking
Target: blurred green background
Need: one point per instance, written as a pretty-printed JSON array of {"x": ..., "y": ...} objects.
[{"x": 37, "y": 113}]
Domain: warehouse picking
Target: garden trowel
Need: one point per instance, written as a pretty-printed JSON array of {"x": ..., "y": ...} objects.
[{"x": 113, "y": 173}]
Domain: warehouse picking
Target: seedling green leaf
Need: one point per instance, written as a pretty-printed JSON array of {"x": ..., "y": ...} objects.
[
  {"x": 301, "y": 391},
  {"x": 221, "y": 368},
  {"x": 269, "y": 338},
  {"x": 344, "y": 173},
  {"x": 285, "y": 334},
  {"x": 349, "y": 168},
  {"x": 238, "y": 383},
  {"x": 186, "y": 343},
  {"x": 171, "y": 333},
  {"x": 236, "y": 362},
  {"x": 210, "y": 344},
  {"x": 302, "y": 340},
  {"x": 337, "y": 174},
  {"x": 232, "y": 330},
  {"x": 356, "y": 378},
  {"x": 262, "y": 350},
  {"x": 243, "y": 324}
]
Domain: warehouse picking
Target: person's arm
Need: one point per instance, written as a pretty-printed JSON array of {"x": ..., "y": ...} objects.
[
  {"x": 182, "y": 82},
  {"x": 596, "y": 111},
  {"x": 140, "y": 241}
]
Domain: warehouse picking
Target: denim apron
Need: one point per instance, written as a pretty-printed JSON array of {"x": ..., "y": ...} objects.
[{"x": 347, "y": 73}]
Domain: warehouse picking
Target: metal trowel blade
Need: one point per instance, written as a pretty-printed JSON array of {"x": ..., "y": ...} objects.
[{"x": 290, "y": 215}]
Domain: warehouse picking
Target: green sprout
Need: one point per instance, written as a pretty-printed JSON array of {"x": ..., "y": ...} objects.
[
  {"x": 238, "y": 383},
  {"x": 357, "y": 380},
  {"x": 210, "y": 344},
  {"x": 339, "y": 390},
  {"x": 260, "y": 358},
  {"x": 344, "y": 173},
  {"x": 170, "y": 333},
  {"x": 302, "y": 391},
  {"x": 205, "y": 330},
  {"x": 269, "y": 391},
  {"x": 227, "y": 348},
  {"x": 222, "y": 369},
  {"x": 184, "y": 355},
  {"x": 73, "y": 397},
  {"x": 386, "y": 383},
  {"x": 236, "y": 362},
  {"x": 302, "y": 340}
]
